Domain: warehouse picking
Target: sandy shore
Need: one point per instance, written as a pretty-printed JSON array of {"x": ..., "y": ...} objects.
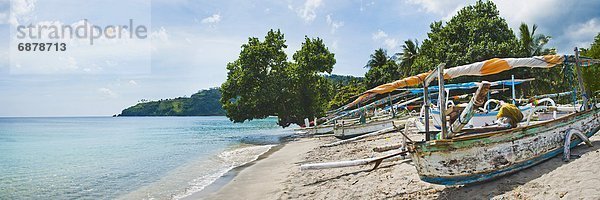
[
  {"x": 264, "y": 178},
  {"x": 278, "y": 176}
]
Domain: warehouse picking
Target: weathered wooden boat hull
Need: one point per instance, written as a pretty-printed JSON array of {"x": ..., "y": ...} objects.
[
  {"x": 316, "y": 130},
  {"x": 322, "y": 130},
  {"x": 361, "y": 129},
  {"x": 484, "y": 156}
]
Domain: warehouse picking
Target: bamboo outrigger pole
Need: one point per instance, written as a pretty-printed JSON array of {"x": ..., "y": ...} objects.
[
  {"x": 442, "y": 100},
  {"x": 350, "y": 163},
  {"x": 465, "y": 116},
  {"x": 580, "y": 81},
  {"x": 426, "y": 82}
]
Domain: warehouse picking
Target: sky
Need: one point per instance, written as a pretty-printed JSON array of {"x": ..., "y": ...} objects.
[{"x": 189, "y": 43}]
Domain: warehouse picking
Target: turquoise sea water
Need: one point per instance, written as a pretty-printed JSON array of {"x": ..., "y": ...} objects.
[{"x": 128, "y": 158}]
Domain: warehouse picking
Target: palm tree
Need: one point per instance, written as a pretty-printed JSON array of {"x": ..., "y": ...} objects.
[
  {"x": 410, "y": 51},
  {"x": 378, "y": 59},
  {"x": 532, "y": 44}
]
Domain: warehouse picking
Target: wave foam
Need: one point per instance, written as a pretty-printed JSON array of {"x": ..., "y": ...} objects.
[{"x": 227, "y": 161}]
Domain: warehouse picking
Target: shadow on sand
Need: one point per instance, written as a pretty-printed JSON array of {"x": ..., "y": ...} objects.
[{"x": 383, "y": 166}]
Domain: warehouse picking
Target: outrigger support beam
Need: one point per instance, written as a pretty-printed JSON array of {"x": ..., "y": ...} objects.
[
  {"x": 465, "y": 116},
  {"x": 567, "y": 146},
  {"x": 438, "y": 71},
  {"x": 580, "y": 80}
]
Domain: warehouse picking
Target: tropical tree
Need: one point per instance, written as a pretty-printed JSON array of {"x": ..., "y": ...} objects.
[
  {"x": 382, "y": 69},
  {"x": 590, "y": 74},
  {"x": 346, "y": 93},
  {"x": 476, "y": 33},
  {"x": 410, "y": 51},
  {"x": 532, "y": 44},
  {"x": 254, "y": 78},
  {"x": 310, "y": 91},
  {"x": 547, "y": 80},
  {"x": 378, "y": 59},
  {"x": 262, "y": 82}
]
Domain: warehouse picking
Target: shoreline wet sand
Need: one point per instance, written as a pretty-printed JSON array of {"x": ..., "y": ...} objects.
[
  {"x": 262, "y": 178},
  {"x": 277, "y": 175}
]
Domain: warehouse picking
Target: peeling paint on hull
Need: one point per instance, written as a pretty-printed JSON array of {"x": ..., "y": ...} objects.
[{"x": 479, "y": 157}]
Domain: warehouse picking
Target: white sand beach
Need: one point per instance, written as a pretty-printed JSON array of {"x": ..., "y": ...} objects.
[{"x": 278, "y": 176}]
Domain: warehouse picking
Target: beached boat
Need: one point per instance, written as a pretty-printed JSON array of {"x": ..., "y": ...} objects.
[
  {"x": 316, "y": 130},
  {"x": 483, "y": 155},
  {"x": 347, "y": 131},
  {"x": 463, "y": 155},
  {"x": 344, "y": 129}
]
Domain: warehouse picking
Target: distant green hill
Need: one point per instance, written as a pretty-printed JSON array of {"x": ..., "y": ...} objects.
[
  {"x": 203, "y": 103},
  {"x": 343, "y": 79}
]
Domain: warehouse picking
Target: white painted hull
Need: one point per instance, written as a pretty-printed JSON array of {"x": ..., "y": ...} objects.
[
  {"x": 478, "y": 157},
  {"x": 360, "y": 129},
  {"x": 316, "y": 130}
]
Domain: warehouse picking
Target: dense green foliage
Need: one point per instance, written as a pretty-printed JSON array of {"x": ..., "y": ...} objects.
[
  {"x": 346, "y": 93},
  {"x": 382, "y": 69},
  {"x": 261, "y": 82},
  {"x": 410, "y": 52},
  {"x": 591, "y": 74},
  {"x": 531, "y": 44},
  {"x": 342, "y": 80},
  {"x": 476, "y": 33},
  {"x": 202, "y": 103}
]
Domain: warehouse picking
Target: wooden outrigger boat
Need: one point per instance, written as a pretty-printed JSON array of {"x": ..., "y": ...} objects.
[
  {"x": 469, "y": 156},
  {"x": 343, "y": 131},
  {"x": 316, "y": 130},
  {"x": 328, "y": 123},
  {"x": 352, "y": 128},
  {"x": 475, "y": 157},
  {"x": 464, "y": 156}
]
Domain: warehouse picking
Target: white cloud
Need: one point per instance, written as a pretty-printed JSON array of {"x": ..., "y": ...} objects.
[
  {"x": 514, "y": 11},
  {"x": 308, "y": 11},
  {"x": 4, "y": 18},
  {"x": 389, "y": 42},
  {"x": 132, "y": 82},
  {"x": 334, "y": 45},
  {"x": 582, "y": 35},
  {"x": 438, "y": 7},
  {"x": 21, "y": 11},
  {"x": 215, "y": 18},
  {"x": 379, "y": 34},
  {"x": 70, "y": 62},
  {"x": 161, "y": 35},
  {"x": 334, "y": 24},
  {"x": 365, "y": 5},
  {"x": 107, "y": 92},
  {"x": 517, "y": 11}
]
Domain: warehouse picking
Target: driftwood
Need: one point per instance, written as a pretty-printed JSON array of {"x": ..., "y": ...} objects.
[
  {"x": 350, "y": 163},
  {"x": 387, "y": 148}
]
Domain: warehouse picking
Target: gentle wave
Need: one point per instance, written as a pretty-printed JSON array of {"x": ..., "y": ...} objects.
[
  {"x": 231, "y": 159},
  {"x": 196, "y": 175}
]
